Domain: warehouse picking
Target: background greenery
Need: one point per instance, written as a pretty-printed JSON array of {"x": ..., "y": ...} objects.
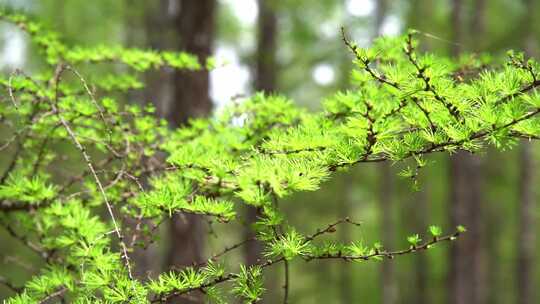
[{"x": 309, "y": 41}]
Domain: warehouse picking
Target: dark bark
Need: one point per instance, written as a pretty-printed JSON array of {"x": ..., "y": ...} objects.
[
  {"x": 195, "y": 27},
  {"x": 466, "y": 263},
  {"x": 195, "y": 24},
  {"x": 413, "y": 213},
  {"x": 265, "y": 80},
  {"x": 421, "y": 210},
  {"x": 386, "y": 190},
  {"x": 478, "y": 41},
  {"x": 253, "y": 249},
  {"x": 141, "y": 30},
  {"x": 527, "y": 203},
  {"x": 526, "y": 229},
  {"x": 345, "y": 279},
  {"x": 265, "y": 74},
  {"x": 159, "y": 84},
  {"x": 477, "y": 26},
  {"x": 420, "y": 16},
  {"x": 388, "y": 281},
  {"x": 381, "y": 9},
  {"x": 456, "y": 23},
  {"x": 465, "y": 257},
  {"x": 493, "y": 230}
]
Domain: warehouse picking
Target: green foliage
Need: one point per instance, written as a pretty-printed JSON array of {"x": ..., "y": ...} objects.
[
  {"x": 414, "y": 240},
  {"x": 435, "y": 231},
  {"x": 289, "y": 246},
  {"x": 248, "y": 284},
  {"x": 404, "y": 104},
  {"x": 140, "y": 60},
  {"x": 26, "y": 189}
]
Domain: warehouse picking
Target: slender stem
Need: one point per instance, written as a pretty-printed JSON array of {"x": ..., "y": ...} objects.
[
  {"x": 9, "y": 285},
  {"x": 53, "y": 295},
  {"x": 330, "y": 228},
  {"x": 58, "y": 74},
  {"x": 376, "y": 254},
  {"x": 286, "y": 285},
  {"x": 365, "y": 61}
]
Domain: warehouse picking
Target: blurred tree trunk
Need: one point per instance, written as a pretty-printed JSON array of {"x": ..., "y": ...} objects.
[
  {"x": 195, "y": 27},
  {"x": 265, "y": 80},
  {"x": 420, "y": 17},
  {"x": 456, "y": 23},
  {"x": 413, "y": 214},
  {"x": 526, "y": 230},
  {"x": 388, "y": 281},
  {"x": 265, "y": 73},
  {"x": 387, "y": 224},
  {"x": 477, "y": 26},
  {"x": 421, "y": 263},
  {"x": 146, "y": 25},
  {"x": 381, "y": 10},
  {"x": 159, "y": 84},
  {"x": 465, "y": 275},
  {"x": 486, "y": 258},
  {"x": 345, "y": 203},
  {"x": 465, "y": 259},
  {"x": 346, "y": 186}
]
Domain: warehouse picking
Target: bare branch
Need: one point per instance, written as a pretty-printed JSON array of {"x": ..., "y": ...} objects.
[{"x": 58, "y": 74}]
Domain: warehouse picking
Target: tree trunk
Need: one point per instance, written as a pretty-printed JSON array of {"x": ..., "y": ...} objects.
[
  {"x": 265, "y": 80},
  {"x": 386, "y": 190},
  {"x": 265, "y": 74},
  {"x": 195, "y": 25},
  {"x": 419, "y": 212},
  {"x": 465, "y": 275},
  {"x": 159, "y": 84},
  {"x": 465, "y": 263},
  {"x": 477, "y": 26},
  {"x": 381, "y": 9},
  {"x": 526, "y": 229},
  {"x": 345, "y": 203},
  {"x": 156, "y": 21},
  {"x": 388, "y": 282},
  {"x": 143, "y": 29},
  {"x": 420, "y": 17},
  {"x": 456, "y": 23}
]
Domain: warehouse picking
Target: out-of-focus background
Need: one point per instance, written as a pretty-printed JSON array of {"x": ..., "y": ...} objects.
[{"x": 293, "y": 47}]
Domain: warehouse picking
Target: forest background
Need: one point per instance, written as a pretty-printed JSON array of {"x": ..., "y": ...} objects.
[{"x": 294, "y": 47}]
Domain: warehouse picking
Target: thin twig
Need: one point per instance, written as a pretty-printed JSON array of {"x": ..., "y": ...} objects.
[
  {"x": 286, "y": 285},
  {"x": 58, "y": 74},
  {"x": 377, "y": 254},
  {"x": 384, "y": 253},
  {"x": 330, "y": 228},
  {"x": 23, "y": 239},
  {"x": 421, "y": 73},
  {"x": 10, "y": 285},
  {"x": 10, "y": 89},
  {"x": 225, "y": 251},
  {"x": 366, "y": 61},
  {"x": 92, "y": 98},
  {"x": 53, "y": 295}
]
